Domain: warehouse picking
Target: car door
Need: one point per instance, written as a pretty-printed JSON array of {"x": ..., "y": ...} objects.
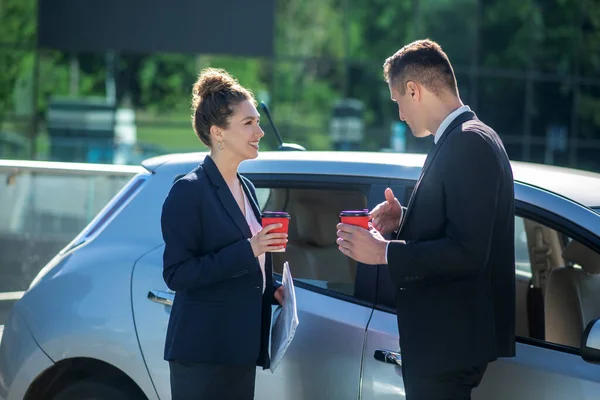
[
  {"x": 541, "y": 369},
  {"x": 151, "y": 301},
  {"x": 382, "y": 373},
  {"x": 548, "y": 363},
  {"x": 335, "y": 296}
]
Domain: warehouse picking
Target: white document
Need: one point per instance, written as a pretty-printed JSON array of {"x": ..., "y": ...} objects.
[{"x": 285, "y": 320}]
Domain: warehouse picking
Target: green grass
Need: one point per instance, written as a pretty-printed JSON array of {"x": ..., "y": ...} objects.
[
  {"x": 173, "y": 138},
  {"x": 171, "y": 132}
]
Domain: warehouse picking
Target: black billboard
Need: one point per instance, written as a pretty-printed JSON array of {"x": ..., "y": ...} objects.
[{"x": 236, "y": 27}]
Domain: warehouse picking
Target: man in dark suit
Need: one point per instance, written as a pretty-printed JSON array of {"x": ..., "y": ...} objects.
[{"x": 453, "y": 258}]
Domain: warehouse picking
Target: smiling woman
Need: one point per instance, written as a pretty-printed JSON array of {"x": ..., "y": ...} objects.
[{"x": 216, "y": 256}]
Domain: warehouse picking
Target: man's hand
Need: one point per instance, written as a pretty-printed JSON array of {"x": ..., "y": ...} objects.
[
  {"x": 386, "y": 216},
  {"x": 279, "y": 295},
  {"x": 365, "y": 246}
]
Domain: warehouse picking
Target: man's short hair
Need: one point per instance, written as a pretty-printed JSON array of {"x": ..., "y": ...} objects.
[{"x": 424, "y": 62}]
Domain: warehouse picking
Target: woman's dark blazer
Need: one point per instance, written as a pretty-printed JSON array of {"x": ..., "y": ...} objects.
[{"x": 219, "y": 313}]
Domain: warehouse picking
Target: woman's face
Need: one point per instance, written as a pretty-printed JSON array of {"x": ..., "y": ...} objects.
[{"x": 243, "y": 134}]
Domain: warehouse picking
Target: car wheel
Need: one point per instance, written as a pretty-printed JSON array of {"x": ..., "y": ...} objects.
[{"x": 94, "y": 390}]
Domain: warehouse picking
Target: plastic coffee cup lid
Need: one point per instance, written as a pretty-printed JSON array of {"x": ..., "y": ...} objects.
[
  {"x": 355, "y": 213},
  {"x": 275, "y": 214}
]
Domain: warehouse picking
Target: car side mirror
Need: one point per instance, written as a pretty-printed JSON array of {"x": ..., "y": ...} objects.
[{"x": 590, "y": 342}]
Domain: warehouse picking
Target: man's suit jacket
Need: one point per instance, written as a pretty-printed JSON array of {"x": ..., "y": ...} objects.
[
  {"x": 455, "y": 276},
  {"x": 219, "y": 313}
]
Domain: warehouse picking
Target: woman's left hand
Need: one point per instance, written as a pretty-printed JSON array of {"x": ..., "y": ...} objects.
[{"x": 279, "y": 295}]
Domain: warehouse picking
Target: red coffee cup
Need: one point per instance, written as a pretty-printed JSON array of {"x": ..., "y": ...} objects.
[
  {"x": 358, "y": 218},
  {"x": 277, "y": 217}
]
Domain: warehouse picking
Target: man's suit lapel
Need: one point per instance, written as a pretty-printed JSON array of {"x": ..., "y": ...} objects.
[
  {"x": 462, "y": 118},
  {"x": 225, "y": 196}
]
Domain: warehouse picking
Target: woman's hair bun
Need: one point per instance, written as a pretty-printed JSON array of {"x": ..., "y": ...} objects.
[{"x": 212, "y": 80}]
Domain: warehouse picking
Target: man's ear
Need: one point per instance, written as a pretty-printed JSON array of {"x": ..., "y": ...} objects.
[{"x": 413, "y": 91}]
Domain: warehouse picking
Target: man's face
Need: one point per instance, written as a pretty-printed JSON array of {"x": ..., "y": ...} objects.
[{"x": 409, "y": 107}]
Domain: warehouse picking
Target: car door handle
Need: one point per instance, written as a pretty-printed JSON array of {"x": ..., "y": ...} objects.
[
  {"x": 388, "y": 356},
  {"x": 158, "y": 296}
]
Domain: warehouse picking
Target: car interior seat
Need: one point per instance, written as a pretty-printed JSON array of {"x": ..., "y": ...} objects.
[
  {"x": 312, "y": 251},
  {"x": 573, "y": 295}
]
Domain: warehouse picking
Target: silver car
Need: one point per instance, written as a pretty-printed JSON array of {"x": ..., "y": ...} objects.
[{"x": 93, "y": 321}]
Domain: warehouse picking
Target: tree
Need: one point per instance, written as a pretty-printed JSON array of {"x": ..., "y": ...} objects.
[{"x": 17, "y": 30}]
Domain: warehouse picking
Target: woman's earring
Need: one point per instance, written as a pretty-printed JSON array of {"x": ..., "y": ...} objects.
[{"x": 219, "y": 145}]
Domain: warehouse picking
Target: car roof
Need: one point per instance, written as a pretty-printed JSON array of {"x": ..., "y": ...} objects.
[{"x": 578, "y": 185}]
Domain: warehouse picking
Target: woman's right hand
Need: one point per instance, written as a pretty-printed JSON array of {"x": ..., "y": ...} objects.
[{"x": 264, "y": 241}]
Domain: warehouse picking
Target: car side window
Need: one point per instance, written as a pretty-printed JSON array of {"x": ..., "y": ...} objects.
[
  {"x": 263, "y": 196},
  {"x": 312, "y": 251},
  {"x": 556, "y": 281},
  {"x": 559, "y": 300},
  {"x": 522, "y": 264}
]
